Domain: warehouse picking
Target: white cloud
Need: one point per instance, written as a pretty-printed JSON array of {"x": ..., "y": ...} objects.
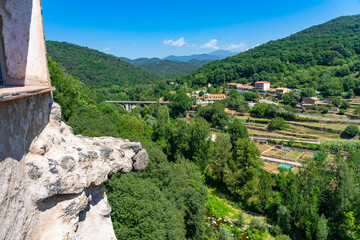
[
  {"x": 107, "y": 49},
  {"x": 212, "y": 44},
  {"x": 178, "y": 43},
  {"x": 241, "y": 46},
  {"x": 254, "y": 46}
]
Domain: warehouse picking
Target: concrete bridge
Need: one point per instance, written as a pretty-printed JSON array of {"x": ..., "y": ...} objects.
[{"x": 129, "y": 105}]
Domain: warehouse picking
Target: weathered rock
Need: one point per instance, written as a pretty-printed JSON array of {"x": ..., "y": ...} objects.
[{"x": 56, "y": 190}]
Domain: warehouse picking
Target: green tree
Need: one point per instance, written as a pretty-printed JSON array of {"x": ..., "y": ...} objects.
[
  {"x": 283, "y": 219},
  {"x": 260, "y": 109},
  {"x": 308, "y": 92},
  {"x": 243, "y": 170},
  {"x": 291, "y": 98},
  {"x": 322, "y": 229},
  {"x": 221, "y": 156},
  {"x": 224, "y": 233},
  {"x": 357, "y": 111},
  {"x": 199, "y": 144},
  {"x": 237, "y": 130},
  {"x": 352, "y": 130},
  {"x": 161, "y": 122},
  {"x": 140, "y": 209},
  {"x": 277, "y": 123},
  {"x": 179, "y": 105},
  {"x": 345, "y": 105},
  {"x": 336, "y": 102}
]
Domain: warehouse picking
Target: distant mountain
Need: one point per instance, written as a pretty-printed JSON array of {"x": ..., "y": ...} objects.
[
  {"x": 169, "y": 68},
  {"x": 140, "y": 61},
  {"x": 217, "y": 55},
  {"x": 98, "y": 69},
  {"x": 172, "y": 66},
  {"x": 199, "y": 63}
]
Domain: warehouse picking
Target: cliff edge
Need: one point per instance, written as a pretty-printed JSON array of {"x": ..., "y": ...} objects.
[{"x": 56, "y": 190}]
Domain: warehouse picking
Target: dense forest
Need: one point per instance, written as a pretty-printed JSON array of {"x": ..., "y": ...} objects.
[
  {"x": 170, "y": 199},
  {"x": 166, "y": 68},
  {"x": 98, "y": 69},
  {"x": 324, "y": 57},
  {"x": 169, "y": 68}
]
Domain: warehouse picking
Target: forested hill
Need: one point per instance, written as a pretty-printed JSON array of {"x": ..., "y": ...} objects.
[
  {"x": 98, "y": 69},
  {"x": 169, "y": 68},
  {"x": 319, "y": 57}
]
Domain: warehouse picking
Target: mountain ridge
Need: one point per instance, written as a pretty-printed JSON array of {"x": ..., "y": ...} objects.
[
  {"x": 98, "y": 69},
  {"x": 318, "y": 57}
]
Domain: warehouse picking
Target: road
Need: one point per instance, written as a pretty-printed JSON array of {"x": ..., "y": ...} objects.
[
  {"x": 276, "y": 160},
  {"x": 324, "y": 118}
]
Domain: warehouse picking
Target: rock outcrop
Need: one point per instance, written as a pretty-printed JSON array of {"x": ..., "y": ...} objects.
[{"x": 56, "y": 190}]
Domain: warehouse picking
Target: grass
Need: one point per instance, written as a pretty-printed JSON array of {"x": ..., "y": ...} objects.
[
  {"x": 218, "y": 208},
  {"x": 293, "y": 155}
]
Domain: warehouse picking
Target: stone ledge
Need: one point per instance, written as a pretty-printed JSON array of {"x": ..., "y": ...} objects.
[{"x": 12, "y": 93}]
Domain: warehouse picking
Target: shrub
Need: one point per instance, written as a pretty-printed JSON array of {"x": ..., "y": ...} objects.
[
  {"x": 352, "y": 131},
  {"x": 241, "y": 220},
  {"x": 342, "y": 111},
  {"x": 257, "y": 224},
  {"x": 325, "y": 110},
  {"x": 336, "y": 102},
  {"x": 340, "y": 145},
  {"x": 283, "y": 237},
  {"x": 277, "y": 123},
  {"x": 345, "y": 105}
]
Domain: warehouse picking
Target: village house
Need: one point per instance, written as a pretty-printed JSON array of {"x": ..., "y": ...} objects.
[
  {"x": 233, "y": 85},
  {"x": 282, "y": 90},
  {"x": 261, "y": 85},
  {"x": 309, "y": 101},
  {"x": 244, "y": 89},
  {"x": 271, "y": 91},
  {"x": 213, "y": 97}
]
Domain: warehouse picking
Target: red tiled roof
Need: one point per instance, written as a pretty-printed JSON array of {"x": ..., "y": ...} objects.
[
  {"x": 261, "y": 82},
  {"x": 246, "y": 87},
  {"x": 215, "y": 95},
  {"x": 271, "y": 90},
  {"x": 233, "y": 84}
]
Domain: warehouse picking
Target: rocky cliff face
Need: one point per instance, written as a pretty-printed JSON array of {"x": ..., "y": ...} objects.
[{"x": 56, "y": 190}]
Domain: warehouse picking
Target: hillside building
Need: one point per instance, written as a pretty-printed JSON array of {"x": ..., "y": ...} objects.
[
  {"x": 213, "y": 97},
  {"x": 244, "y": 89},
  {"x": 261, "y": 85},
  {"x": 282, "y": 90},
  {"x": 309, "y": 101},
  {"x": 233, "y": 85}
]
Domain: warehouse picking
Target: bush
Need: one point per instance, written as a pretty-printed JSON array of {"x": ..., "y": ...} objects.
[
  {"x": 325, "y": 110},
  {"x": 241, "y": 220},
  {"x": 283, "y": 237},
  {"x": 342, "y": 111},
  {"x": 345, "y": 105},
  {"x": 224, "y": 233},
  {"x": 257, "y": 224},
  {"x": 277, "y": 123},
  {"x": 340, "y": 145},
  {"x": 352, "y": 131}
]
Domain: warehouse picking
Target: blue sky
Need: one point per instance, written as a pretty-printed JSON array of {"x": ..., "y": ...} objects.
[{"x": 139, "y": 28}]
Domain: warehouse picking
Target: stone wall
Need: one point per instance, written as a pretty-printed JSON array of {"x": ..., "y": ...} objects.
[{"x": 21, "y": 121}]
